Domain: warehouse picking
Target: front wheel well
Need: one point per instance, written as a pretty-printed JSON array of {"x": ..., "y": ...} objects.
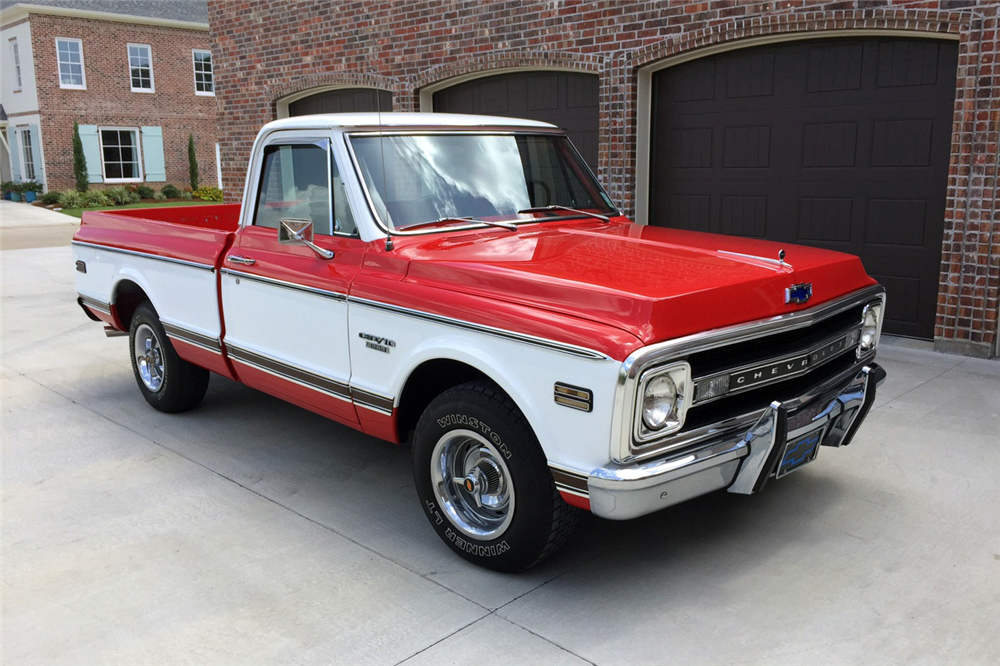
[
  {"x": 128, "y": 296},
  {"x": 429, "y": 380}
]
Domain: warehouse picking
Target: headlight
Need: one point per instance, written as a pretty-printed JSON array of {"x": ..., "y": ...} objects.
[
  {"x": 659, "y": 402},
  {"x": 666, "y": 393},
  {"x": 871, "y": 326}
]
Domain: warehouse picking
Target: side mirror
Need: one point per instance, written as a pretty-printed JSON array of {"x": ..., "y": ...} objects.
[{"x": 293, "y": 231}]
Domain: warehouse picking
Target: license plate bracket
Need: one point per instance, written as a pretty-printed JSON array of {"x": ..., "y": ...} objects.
[{"x": 799, "y": 452}]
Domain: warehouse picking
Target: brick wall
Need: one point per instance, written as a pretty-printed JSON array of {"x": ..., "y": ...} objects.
[
  {"x": 108, "y": 99},
  {"x": 265, "y": 50}
]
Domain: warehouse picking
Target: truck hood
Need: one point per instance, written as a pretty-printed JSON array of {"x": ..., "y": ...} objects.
[{"x": 654, "y": 283}]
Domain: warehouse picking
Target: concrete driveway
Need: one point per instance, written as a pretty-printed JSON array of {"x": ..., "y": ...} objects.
[{"x": 251, "y": 531}]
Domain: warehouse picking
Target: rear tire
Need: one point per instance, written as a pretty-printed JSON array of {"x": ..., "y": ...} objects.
[
  {"x": 166, "y": 381},
  {"x": 484, "y": 482}
]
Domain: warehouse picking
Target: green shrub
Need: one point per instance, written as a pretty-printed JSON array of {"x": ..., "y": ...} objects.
[
  {"x": 208, "y": 193},
  {"x": 96, "y": 199},
  {"x": 49, "y": 198},
  {"x": 80, "y": 173},
  {"x": 170, "y": 192},
  {"x": 145, "y": 192},
  {"x": 186, "y": 194},
  {"x": 192, "y": 163},
  {"x": 159, "y": 196},
  {"x": 119, "y": 195},
  {"x": 70, "y": 199}
]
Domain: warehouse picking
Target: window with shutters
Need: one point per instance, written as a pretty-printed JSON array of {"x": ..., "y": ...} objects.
[
  {"x": 69, "y": 54},
  {"x": 120, "y": 159},
  {"x": 140, "y": 67}
]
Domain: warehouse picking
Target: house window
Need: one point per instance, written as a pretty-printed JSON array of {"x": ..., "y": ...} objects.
[
  {"x": 16, "y": 59},
  {"x": 140, "y": 67},
  {"x": 70, "y": 57},
  {"x": 204, "y": 80},
  {"x": 120, "y": 154},
  {"x": 28, "y": 157}
]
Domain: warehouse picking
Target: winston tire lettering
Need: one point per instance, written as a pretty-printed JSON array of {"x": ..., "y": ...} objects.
[
  {"x": 475, "y": 548},
  {"x": 475, "y": 424}
]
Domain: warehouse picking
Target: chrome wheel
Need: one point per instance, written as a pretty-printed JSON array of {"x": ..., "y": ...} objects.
[
  {"x": 148, "y": 357},
  {"x": 472, "y": 484}
]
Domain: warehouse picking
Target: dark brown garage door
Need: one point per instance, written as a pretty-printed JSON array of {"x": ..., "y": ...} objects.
[
  {"x": 564, "y": 99},
  {"x": 346, "y": 100},
  {"x": 842, "y": 144}
]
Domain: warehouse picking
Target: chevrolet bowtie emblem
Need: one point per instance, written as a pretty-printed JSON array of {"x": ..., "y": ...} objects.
[{"x": 798, "y": 293}]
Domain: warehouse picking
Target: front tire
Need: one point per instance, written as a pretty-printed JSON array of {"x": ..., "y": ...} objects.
[
  {"x": 484, "y": 482},
  {"x": 166, "y": 381}
]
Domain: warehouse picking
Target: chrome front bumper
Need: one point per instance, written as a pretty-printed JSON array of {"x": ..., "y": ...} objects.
[{"x": 742, "y": 460}]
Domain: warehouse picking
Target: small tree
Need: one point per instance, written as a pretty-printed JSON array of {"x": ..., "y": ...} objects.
[
  {"x": 192, "y": 163},
  {"x": 79, "y": 161}
]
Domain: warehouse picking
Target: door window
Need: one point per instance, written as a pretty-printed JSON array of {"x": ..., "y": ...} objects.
[{"x": 295, "y": 183}]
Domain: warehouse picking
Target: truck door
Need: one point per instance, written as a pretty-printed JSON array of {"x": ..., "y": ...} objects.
[{"x": 285, "y": 305}]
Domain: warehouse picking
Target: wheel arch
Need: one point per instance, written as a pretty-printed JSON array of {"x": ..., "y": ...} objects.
[
  {"x": 126, "y": 296},
  {"x": 425, "y": 382}
]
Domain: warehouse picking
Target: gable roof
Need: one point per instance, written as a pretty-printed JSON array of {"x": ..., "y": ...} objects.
[{"x": 191, "y": 12}]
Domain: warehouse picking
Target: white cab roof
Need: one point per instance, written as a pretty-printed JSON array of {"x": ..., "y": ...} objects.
[{"x": 346, "y": 120}]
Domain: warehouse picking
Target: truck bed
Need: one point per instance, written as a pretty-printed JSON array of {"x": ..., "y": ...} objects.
[{"x": 197, "y": 234}]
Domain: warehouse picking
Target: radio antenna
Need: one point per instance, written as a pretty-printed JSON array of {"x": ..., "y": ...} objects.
[{"x": 381, "y": 148}]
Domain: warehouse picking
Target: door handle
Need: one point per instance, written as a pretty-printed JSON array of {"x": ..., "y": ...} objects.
[{"x": 237, "y": 259}]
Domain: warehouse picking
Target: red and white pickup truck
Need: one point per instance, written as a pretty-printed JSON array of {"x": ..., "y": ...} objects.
[{"x": 463, "y": 283}]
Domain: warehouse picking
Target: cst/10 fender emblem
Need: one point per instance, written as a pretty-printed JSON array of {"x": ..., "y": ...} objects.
[{"x": 798, "y": 293}]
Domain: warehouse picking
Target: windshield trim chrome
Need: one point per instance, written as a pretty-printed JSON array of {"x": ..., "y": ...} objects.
[{"x": 484, "y": 130}]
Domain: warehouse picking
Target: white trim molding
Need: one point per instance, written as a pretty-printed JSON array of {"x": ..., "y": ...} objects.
[{"x": 21, "y": 11}]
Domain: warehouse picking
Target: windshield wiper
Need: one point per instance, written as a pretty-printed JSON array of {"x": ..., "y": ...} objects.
[
  {"x": 452, "y": 218},
  {"x": 542, "y": 209}
]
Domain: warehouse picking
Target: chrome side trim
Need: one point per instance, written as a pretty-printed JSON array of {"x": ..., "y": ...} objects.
[
  {"x": 94, "y": 304},
  {"x": 206, "y": 342},
  {"x": 147, "y": 255},
  {"x": 373, "y": 401},
  {"x": 299, "y": 376},
  {"x": 572, "y": 350},
  {"x": 337, "y": 296},
  {"x": 569, "y": 481},
  {"x": 382, "y": 404},
  {"x": 628, "y": 378}
]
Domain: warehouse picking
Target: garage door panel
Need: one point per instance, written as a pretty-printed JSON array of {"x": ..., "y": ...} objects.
[
  {"x": 838, "y": 143},
  {"x": 565, "y": 99},
  {"x": 344, "y": 100},
  {"x": 834, "y": 68}
]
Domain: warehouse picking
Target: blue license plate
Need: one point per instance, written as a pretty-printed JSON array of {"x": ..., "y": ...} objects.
[{"x": 798, "y": 452}]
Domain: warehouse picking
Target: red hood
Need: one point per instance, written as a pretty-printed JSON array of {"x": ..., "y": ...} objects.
[{"x": 654, "y": 283}]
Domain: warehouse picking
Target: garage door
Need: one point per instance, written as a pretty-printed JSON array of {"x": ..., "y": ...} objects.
[
  {"x": 345, "y": 100},
  {"x": 842, "y": 144},
  {"x": 566, "y": 100}
]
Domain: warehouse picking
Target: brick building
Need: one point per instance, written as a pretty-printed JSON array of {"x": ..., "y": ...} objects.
[
  {"x": 867, "y": 126},
  {"x": 137, "y": 75}
]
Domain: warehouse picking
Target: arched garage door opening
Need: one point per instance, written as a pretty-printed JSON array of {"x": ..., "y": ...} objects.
[
  {"x": 839, "y": 143},
  {"x": 342, "y": 100},
  {"x": 565, "y": 99}
]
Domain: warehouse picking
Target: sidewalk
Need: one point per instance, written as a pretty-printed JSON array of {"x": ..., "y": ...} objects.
[
  {"x": 20, "y": 214},
  {"x": 25, "y": 226}
]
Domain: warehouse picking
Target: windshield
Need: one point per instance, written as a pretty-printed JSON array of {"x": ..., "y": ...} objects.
[{"x": 428, "y": 178}]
